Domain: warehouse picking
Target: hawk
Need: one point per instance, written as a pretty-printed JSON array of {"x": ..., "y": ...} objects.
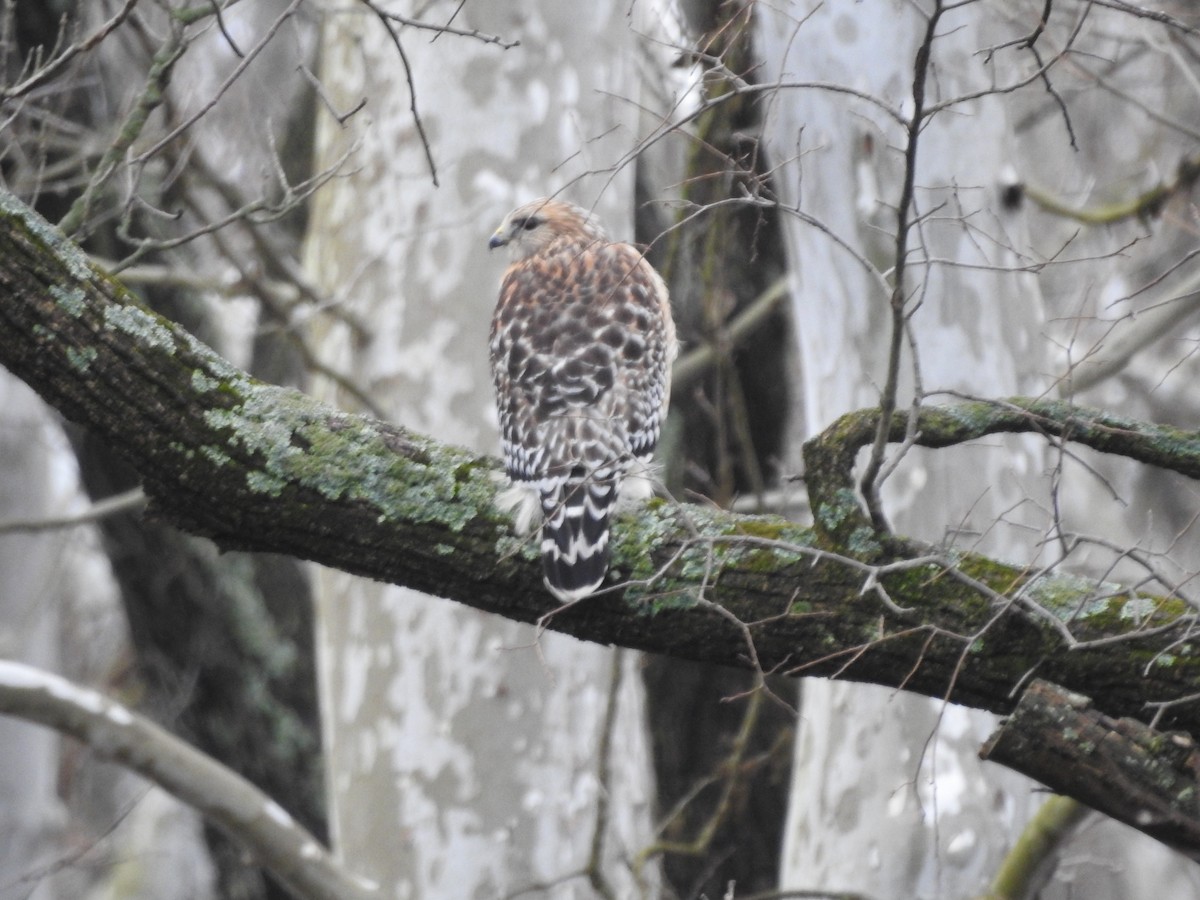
[{"x": 581, "y": 348}]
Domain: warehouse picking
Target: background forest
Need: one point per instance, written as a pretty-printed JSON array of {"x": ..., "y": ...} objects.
[{"x": 932, "y": 454}]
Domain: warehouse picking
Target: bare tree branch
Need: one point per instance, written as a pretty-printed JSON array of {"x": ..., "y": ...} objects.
[
  {"x": 109, "y": 506},
  {"x": 115, "y": 733},
  {"x": 261, "y": 468},
  {"x": 1120, "y": 767},
  {"x": 899, "y": 293},
  {"x": 53, "y": 67}
]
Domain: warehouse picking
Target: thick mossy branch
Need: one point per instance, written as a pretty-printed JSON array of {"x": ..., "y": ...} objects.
[
  {"x": 830, "y": 457},
  {"x": 256, "y": 467}
]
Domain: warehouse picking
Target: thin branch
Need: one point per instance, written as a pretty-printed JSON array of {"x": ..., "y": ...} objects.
[
  {"x": 110, "y": 506},
  {"x": 595, "y": 864},
  {"x": 1152, "y": 15},
  {"x": 216, "y": 95},
  {"x": 869, "y": 483},
  {"x": 220, "y": 16},
  {"x": 49, "y": 70},
  {"x": 444, "y": 28},
  {"x": 149, "y": 99},
  {"x": 728, "y": 771},
  {"x": 228, "y": 800},
  {"x": 695, "y": 362},
  {"x": 412, "y": 88},
  {"x": 340, "y": 118},
  {"x": 1147, "y": 205}
]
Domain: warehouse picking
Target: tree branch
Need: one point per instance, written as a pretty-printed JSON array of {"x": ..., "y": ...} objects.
[
  {"x": 261, "y": 468},
  {"x": 830, "y": 457},
  {"x": 252, "y": 818},
  {"x": 1122, "y": 768}
]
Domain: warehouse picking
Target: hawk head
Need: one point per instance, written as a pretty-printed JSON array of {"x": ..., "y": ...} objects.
[{"x": 529, "y": 228}]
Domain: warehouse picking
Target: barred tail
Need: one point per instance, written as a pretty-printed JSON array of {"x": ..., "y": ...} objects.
[{"x": 575, "y": 550}]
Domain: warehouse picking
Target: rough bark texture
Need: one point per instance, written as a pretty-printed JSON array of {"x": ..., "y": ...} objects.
[
  {"x": 255, "y": 467},
  {"x": 1120, "y": 767}
]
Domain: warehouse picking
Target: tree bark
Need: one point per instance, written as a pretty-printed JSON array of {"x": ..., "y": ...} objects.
[
  {"x": 1126, "y": 770},
  {"x": 260, "y": 468}
]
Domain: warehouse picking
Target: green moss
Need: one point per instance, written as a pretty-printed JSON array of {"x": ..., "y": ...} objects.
[
  {"x": 1176, "y": 442},
  {"x": 842, "y": 506},
  {"x": 203, "y": 383},
  {"x": 1000, "y": 577},
  {"x": 863, "y": 541},
  {"x": 216, "y": 454},
  {"x": 293, "y": 439},
  {"x": 522, "y": 547},
  {"x": 1139, "y": 609},
  {"x": 769, "y": 529},
  {"x": 1068, "y": 595},
  {"x": 263, "y": 483},
  {"x": 762, "y": 561},
  {"x": 973, "y": 417},
  {"x": 908, "y": 586},
  {"x": 752, "y": 556}
]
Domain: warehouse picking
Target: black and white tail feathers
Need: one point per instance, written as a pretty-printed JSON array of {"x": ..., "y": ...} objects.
[
  {"x": 575, "y": 549},
  {"x": 575, "y": 514}
]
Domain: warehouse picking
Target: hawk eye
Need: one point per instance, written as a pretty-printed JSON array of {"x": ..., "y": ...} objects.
[{"x": 530, "y": 223}]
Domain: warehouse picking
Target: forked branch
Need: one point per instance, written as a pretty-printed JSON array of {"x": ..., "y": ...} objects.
[{"x": 260, "y": 468}]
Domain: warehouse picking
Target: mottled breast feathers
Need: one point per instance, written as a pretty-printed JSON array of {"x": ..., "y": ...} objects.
[{"x": 581, "y": 346}]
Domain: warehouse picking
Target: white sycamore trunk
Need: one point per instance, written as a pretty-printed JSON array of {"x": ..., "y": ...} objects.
[
  {"x": 463, "y": 749},
  {"x": 889, "y": 798}
]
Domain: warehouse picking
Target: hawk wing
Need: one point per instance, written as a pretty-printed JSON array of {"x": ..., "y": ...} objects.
[
  {"x": 580, "y": 359},
  {"x": 581, "y": 346}
]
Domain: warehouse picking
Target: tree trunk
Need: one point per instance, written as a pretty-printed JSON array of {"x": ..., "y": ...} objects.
[
  {"x": 483, "y": 748},
  {"x": 948, "y": 820}
]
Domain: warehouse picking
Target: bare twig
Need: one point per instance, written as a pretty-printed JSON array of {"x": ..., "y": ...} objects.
[
  {"x": 387, "y": 21},
  {"x": 53, "y": 67},
  {"x": 101, "y": 509},
  {"x": 692, "y": 364},
  {"x": 233, "y": 76},
  {"x": 150, "y": 98},
  {"x": 869, "y": 483},
  {"x": 443, "y": 28}
]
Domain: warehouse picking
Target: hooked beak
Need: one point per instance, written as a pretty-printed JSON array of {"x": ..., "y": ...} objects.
[{"x": 497, "y": 240}]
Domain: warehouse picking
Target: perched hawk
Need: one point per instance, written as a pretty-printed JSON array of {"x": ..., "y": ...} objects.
[{"x": 581, "y": 348}]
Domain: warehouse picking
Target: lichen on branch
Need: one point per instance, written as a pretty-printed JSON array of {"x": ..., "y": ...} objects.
[{"x": 257, "y": 467}]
